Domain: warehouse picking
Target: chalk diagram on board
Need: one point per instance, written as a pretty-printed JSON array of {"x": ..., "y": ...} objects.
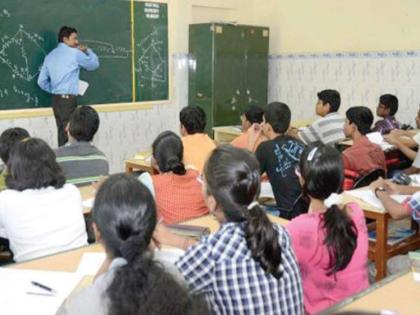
[
  {"x": 18, "y": 64},
  {"x": 151, "y": 65},
  {"x": 107, "y": 50}
]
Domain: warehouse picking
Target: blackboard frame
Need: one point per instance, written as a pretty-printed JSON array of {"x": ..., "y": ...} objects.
[{"x": 111, "y": 107}]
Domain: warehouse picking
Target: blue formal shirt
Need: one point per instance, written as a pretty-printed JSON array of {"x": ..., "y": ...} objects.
[{"x": 60, "y": 71}]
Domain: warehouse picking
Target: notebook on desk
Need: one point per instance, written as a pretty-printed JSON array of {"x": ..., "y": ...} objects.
[{"x": 193, "y": 231}]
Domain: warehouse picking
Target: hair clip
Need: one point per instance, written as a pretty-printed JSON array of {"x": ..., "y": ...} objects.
[
  {"x": 253, "y": 204},
  {"x": 312, "y": 154}
]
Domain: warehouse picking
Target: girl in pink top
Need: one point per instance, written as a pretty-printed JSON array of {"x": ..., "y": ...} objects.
[{"x": 330, "y": 241}]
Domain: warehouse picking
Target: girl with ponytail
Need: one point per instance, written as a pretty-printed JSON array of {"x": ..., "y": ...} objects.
[
  {"x": 130, "y": 281},
  {"x": 177, "y": 189},
  {"x": 248, "y": 266},
  {"x": 330, "y": 241}
]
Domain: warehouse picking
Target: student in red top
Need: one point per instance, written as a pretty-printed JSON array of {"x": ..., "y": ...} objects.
[
  {"x": 253, "y": 115},
  {"x": 363, "y": 156},
  {"x": 177, "y": 190}
]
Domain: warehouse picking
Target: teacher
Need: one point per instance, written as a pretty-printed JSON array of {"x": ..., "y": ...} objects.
[{"x": 59, "y": 76}]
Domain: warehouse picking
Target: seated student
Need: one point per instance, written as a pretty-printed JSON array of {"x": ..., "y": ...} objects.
[
  {"x": 329, "y": 128},
  {"x": 248, "y": 266},
  {"x": 387, "y": 108},
  {"x": 177, "y": 190},
  {"x": 39, "y": 212},
  {"x": 197, "y": 144},
  {"x": 254, "y": 115},
  {"x": 278, "y": 157},
  {"x": 8, "y": 139},
  {"x": 330, "y": 241},
  {"x": 130, "y": 281},
  {"x": 404, "y": 140},
  {"x": 383, "y": 190},
  {"x": 363, "y": 156},
  {"x": 80, "y": 160}
]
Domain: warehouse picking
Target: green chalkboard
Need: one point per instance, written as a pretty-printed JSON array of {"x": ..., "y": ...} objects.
[
  {"x": 151, "y": 51},
  {"x": 28, "y": 32}
]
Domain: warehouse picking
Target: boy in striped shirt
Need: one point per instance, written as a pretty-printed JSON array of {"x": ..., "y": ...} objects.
[{"x": 329, "y": 129}]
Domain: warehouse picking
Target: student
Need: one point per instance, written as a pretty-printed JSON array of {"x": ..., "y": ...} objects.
[
  {"x": 130, "y": 281},
  {"x": 39, "y": 212},
  {"x": 177, "y": 190},
  {"x": 254, "y": 115},
  {"x": 387, "y": 108},
  {"x": 330, "y": 241},
  {"x": 197, "y": 144},
  {"x": 363, "y": 156},
  {"x": 278, "y": 157},
  {"x": 80, "y": 160},
  {"x": 8, "y": 139},
  {"x": 248, "y": 266},
  {"x": 404, "y": 140},
  {"x": 329, "y": 128},
  {"x": 383, "y": 189}
]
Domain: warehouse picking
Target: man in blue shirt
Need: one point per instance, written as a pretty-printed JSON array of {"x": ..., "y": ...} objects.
[{"x": 59, "y": 76}]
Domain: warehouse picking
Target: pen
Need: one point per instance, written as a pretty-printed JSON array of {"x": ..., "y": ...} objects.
[{"x": 42, "y": 286}]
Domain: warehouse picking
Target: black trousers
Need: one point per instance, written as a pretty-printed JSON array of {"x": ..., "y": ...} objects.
[{"x": 63, "y": 106}]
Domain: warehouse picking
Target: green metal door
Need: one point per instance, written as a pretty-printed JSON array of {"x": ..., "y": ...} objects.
[
  {"x": 229, "y": 73},
  {"x": 256, "y": 51}
]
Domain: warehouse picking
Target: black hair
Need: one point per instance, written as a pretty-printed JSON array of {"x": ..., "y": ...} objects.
[
  {"x": 193, "y": 118},
  {"x": 232, "y": 178},
  {"x": 390, "y": 102},
  {"x": 168, "y": 152},
  {"x": 362, "y": 117},
  {"x": 84, "y": 123},
  {"x": 65, "y": 31},
  {"x": 254, "y": 114},
  {"x": 321, "y": 167},
  {"x": 331, "y": 97},
  {"x": 32, "y": 165},
  {"x": 125, "y": 214},
  {"x": 278, "y": 115},
  {"x": 8, "y": 139}
]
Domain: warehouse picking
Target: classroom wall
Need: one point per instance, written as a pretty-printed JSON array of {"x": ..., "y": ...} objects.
[
  {"x": 337, "y": 26},
  {"x": 361, "y": 48}
]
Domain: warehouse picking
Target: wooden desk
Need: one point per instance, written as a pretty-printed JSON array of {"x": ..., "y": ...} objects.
[
  {"x": 399, "y": 293},
  {"x": 210, "y": 222},
  {"x": 132, "y": 165},
  {"x": 69, "y": 260},
  {"x": 226, "y": 134},
  {"x": 379, "y": 251}
]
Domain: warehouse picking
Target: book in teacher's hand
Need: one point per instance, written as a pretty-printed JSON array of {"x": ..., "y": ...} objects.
[{"x": 395, "y": 236}]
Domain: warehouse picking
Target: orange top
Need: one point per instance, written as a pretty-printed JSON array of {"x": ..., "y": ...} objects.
[
  {"x": 197, "y": 148},
  {"x": 179, "y": 197},
  {"x": 242, "y": 141}
]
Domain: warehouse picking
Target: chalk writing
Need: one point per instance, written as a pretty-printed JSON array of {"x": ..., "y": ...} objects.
[
  {"x": 107, "y": 50},
  {"x": 151, "y": 65}
]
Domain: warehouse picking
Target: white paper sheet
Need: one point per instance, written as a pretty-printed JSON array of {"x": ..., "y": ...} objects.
[
  {"x": 90, "y": 264},
  {"x": 83, "y": 86},
  {"x": 266, "y": 190},
  {"x": 369, "y": 197},
  {"x": 376, "y": 137},
  {"x": 88, "y": 203},
  {"x": 16, "y": 283}
]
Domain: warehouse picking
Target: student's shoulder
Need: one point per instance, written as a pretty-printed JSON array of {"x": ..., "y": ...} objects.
[{"x": 304, "y": 222}]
